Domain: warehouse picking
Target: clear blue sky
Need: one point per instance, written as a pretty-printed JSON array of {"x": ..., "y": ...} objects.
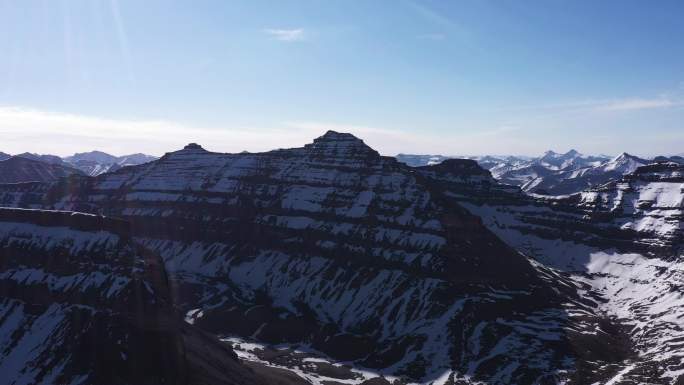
[{"x": 451, "y": 77}]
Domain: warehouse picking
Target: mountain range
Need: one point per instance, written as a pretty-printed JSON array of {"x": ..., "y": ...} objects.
[
  {"x": 331, "y": 264},
  {"x": 552, "y": 173},
  {"x": 29, "y": 167}
]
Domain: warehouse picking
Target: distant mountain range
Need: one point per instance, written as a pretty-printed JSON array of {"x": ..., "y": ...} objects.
[
  {"x": 30, "y": 167},
  {"x": 552, "y": 173},
  {"x": 97, "y": 162}
]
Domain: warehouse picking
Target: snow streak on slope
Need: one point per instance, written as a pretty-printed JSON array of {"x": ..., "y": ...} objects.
[{"x": 645, "y": 294}]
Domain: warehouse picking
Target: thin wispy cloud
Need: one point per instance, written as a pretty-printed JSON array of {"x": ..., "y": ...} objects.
[
  {"x": 639, "y": 104},
  {"x": 122, "y": 37},
  {"x": 289, "y": 35},
  {"x": 34, "y": 130},
  {"x": 48, "y": 132},
  {"x": 605, "y": 105}
]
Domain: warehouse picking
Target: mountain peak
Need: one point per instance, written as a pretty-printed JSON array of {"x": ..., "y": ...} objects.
[
  {"x": 194, "y": 147},
  {"x": 331, "y": 135},
  {"x": 624, "y": 156},
  {"x": 335, "y": 144},
  {"x": 624, "y": 163}
]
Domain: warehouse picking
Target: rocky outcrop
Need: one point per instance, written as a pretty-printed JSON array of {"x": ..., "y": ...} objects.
[{"x": 81, "y": 304}]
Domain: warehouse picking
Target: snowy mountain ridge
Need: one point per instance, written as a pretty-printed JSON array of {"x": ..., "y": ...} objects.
[
  {"x": 91, "y": 163},
  {"x": 552, "y": 173}
]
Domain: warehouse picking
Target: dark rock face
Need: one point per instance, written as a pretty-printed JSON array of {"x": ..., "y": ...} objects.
[
  {"x": 80, "y": 303},
  {"x": 52, "y": 159},
  {"x": 31, "y": 195},
  {"x": 20, "y": 169},
  {"x": 334, "y": 247}
]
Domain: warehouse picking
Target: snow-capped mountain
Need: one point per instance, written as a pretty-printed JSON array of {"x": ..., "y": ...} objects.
[
  {"x": 568, "y": 161},
  {"x": 572, "y": 180},
  {"x": 552, "y": 173},
  {"x": 333, "y": 249},
  {"x": 92, "y": 156},
  {"x": 549, "y": 172},
  {"x": 104, "y": 158},
  {"x": 22, "y": 169},
  {"x": 623, "y": 163},
  {"x": 51, "y": 167},
  {"x": 97, "y": 162},
  {"x": 486, "y": 161}
]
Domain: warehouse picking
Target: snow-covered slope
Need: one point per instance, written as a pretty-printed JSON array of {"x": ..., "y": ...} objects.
[
  {"x": 621, "y": 242},
  {"x": 331, "y": 247}
]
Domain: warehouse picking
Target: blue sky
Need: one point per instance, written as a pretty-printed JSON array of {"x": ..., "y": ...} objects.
[{"x": 450, "y": 77}]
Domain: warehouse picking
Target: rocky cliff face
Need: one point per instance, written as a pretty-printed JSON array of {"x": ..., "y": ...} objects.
[
  {"x": 649, "y": 201},
  {"x": 337, "y": 249},
  {"x": 81, "y": 304},
  {"x": 621, "y": 242},
  {"x": 642, "y": 212}
]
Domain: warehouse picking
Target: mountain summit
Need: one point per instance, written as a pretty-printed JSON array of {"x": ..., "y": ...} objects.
[{"x": 336, "y": 145}]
